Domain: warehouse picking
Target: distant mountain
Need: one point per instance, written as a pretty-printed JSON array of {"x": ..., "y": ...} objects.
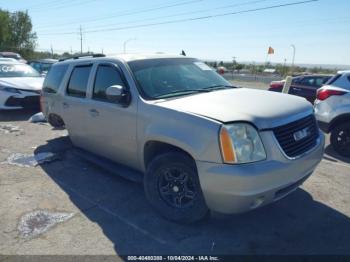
[{"x": 326, "y": 66}]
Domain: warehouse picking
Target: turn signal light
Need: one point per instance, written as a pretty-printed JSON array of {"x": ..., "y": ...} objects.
[{"x": 226, "y": 146}]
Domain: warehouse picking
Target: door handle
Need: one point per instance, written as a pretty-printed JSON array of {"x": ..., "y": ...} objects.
[
  {"x": 94, "y": 112},
  {"x": 65, "y": 105}
]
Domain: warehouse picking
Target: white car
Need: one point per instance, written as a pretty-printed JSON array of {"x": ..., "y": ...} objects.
[
  {"x": 20, "y": 86},
  {"x": 332, "y": 109}
]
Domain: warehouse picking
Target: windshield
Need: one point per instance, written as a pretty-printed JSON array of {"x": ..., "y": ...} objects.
[
  {"x": 41, "y": 67},
  {"x": 169, "y": 77},
  {"x": 17, "y": 70}
]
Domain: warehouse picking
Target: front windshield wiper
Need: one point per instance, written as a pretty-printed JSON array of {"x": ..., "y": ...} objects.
[
  {"x": 192, "y": 91},
  {"x": 218, "y": 87},
  {"x": 183, "y": 92}
]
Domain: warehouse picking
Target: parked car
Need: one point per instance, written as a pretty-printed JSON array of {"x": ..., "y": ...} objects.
[
  {"x": 2, "y": 59},
  {"x": 195, "y": 141},
  {"x": 332, "y": 109},
  {"x": 13, "y": 55},
  {"x": 20, "y": 86},
  {"x": 305, "y": 86},
  {"x": 42, "y": 65}
]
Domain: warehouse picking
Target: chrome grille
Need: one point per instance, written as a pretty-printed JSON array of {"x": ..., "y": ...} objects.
[{"x": 297, "y": 137}]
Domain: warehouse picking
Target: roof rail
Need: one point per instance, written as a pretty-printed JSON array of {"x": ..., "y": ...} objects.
[{"x": 81, "y": 56}]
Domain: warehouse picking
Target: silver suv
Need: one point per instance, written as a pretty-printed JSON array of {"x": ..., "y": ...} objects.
[
  {"x": 197, "y": 142},
  {"x": 332, "y": 109}
]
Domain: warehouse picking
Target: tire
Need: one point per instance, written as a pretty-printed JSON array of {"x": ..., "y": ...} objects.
[
  {"x": 55, "y": 121},
  {"x": 340, "y": 139},
  {"x": 172, "y": 187}
]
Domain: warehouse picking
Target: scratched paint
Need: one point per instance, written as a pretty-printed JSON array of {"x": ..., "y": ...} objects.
[{"x": 35, "y": 223}]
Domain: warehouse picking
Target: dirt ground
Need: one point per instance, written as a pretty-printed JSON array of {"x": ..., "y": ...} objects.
[{"x": 69, "y": 206}]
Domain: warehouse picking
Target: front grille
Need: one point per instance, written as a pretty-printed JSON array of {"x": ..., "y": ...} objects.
[
  {"x": 286, "y": 136},
  {"x": 26, "y": 102}
]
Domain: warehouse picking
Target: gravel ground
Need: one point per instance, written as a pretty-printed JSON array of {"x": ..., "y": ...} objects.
[{"x": 69, "y": 206}]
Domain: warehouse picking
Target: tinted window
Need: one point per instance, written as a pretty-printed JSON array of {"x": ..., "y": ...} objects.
[
  {"x": 41, "y": 67},
  {"x": 78, "y": 81},
  {"x": 106, "y": 76},
  {"x": 54, "y": 78},
  {"x": 297, "y": 80},
  {"x": 308, "y": 81},
  {"x": 321, "y": 80},
  {"x": 333, "y": 79}
]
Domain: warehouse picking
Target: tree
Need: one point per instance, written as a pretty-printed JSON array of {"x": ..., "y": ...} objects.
[
  {"x": 16, "y": 33},
  {"x": 4, "y": 29}
]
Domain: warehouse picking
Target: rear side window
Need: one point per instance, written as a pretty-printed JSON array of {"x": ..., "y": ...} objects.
[
  {"x": 341, "y": 80},
  {"x": 78, "y": 81},
  {"x": 308, "y": 81},
  {"x": 54, "y": 78},
  {"x": 320, "y": 81},
  {"x": 106, "y": 76},
  {"x": 333, "y": 79}
]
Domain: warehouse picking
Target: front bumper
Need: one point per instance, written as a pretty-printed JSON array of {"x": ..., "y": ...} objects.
[
  {"x": 20, "y": 102},
  {"x": 325, "y": 127},
  {"x": 240, "y": 188}
]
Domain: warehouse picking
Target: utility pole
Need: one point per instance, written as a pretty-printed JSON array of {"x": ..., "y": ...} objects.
[
  {"x": 284, "y": 67},
  {"x": 233, "y": 65},
  {"x": 293, "y": 59},
  {"x": 51, "y": 51},
  {"x": 125, "y": 42},
  {"x": 71, "y": 51},
  {"x": 81, "y": 39}
]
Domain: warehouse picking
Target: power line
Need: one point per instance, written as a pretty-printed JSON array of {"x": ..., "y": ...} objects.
[
  {"x": 132, "y": 12},
  {"x": 185, "y": 13},
  {"x": 68, "y": 3},
  {"x": 47, "y": 3},
  {"x": 191, "y": 19}
]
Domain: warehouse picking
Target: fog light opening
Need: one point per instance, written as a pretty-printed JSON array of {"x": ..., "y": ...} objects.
[{"x": 257, "y": 202}]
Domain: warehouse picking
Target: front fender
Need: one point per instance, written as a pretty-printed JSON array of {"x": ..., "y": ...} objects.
[{"x": 196, "y": 135}]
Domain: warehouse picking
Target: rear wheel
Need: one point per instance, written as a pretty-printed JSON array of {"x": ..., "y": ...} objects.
[
  {"x": 172, "y": 187},
  {"x": 340, "y": 139},
  {"x": 55, "y": 121}
]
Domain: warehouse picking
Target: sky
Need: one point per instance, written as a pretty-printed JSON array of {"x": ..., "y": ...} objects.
[{"x": 319, "y": 30}]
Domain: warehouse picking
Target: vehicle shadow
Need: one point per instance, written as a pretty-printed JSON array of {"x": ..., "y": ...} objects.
[
  {"x": 331, "y": 152},
  {"x": 17, "y": 115},
  {"x": 294, "y": 225}
]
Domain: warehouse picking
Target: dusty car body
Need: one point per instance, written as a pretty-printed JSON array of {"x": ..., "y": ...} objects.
[{"x": 198, "y": 148}]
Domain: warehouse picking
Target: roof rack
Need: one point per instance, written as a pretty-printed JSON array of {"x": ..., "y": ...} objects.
[{"x": 81, "y": 56}]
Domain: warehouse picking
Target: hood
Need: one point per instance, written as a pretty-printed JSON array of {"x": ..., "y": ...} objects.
[
  {"x": 262, "y": 108},
  {"x": 25, "y": 83}
]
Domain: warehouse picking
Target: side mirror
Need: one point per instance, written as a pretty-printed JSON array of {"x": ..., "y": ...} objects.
[{"x": 115, "y": 93}]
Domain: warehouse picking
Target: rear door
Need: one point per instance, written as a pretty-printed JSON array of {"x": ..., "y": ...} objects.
[
  {"x": 111, "y": 127},
  {"x": 74, "y": 104},
  {"x": 306, "y": 87}
]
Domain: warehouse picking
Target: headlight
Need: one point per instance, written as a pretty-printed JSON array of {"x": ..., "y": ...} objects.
[
  {"x": 9, "y": 89},
  {"x": 241, "y": 143}
]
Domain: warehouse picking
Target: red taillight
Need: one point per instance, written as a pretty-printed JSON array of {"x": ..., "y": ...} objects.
[
  {"x": 276, "y": 85},
  {"x": 325, "y": 93}
]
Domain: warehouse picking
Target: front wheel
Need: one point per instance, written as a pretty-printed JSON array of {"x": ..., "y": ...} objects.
[
  {"x": 172, "y": 186},
  {"x": 340, "y": 139}
]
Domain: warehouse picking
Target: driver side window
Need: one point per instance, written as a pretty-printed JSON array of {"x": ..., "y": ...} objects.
[{"x": 106, "y": 76}]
